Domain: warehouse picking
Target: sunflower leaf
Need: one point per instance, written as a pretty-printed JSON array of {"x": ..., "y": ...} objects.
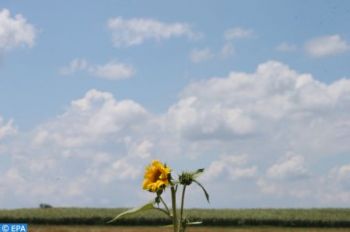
[
  {"x": 197, "y": 173},
  {"x": 148, "y": 206},
  {"x": 205, "y": 191},
  {"x": 163, "y": 211}
]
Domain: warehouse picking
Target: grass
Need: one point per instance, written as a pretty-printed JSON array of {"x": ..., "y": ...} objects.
[
  {"x": 159, "y": 229},
  {"x": 244, "y": 217}
]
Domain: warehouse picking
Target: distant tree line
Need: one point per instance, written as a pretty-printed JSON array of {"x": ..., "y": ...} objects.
[{"x": 45, "y": 206}]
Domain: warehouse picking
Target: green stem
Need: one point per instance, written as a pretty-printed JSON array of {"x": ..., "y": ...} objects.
[
  {"x": 173, "y": 200},
  {"x": 165, "y": 205},
  {"x": 182, "y": 208}
]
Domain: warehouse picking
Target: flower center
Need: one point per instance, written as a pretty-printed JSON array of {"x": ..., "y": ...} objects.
[{"x": 156, "y": 175}]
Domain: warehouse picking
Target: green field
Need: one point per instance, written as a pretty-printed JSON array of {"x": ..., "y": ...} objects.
[
  {"x": 223, "y": 218},
  {"x": 159, "y": 229}
]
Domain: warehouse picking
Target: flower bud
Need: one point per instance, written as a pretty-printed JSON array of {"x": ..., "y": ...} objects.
[{"x": 186, "y": 178}]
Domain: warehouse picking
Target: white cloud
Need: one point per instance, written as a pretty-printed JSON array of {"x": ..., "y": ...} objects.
[
  {"x": 110, "y": 71},
  {"x": 6, "y": 128},
  {"x": 78, "y": 151},
  {"x": 328, "y": 45},
  {"x": 125, "y": 170},
  {"x": 290, "y": 190},
  {"x": 91, "y": 118},
  {"x": 39, "y": 165},
  {"x": 292, "y": 166},
  {"x": 283, "y": 110},
  {"x": 238, "y": 33},
  {"x": 193, "y": 120},
  {"x": 233, "y": 167},
  {"x": 288, "y": 177},
  {"x": 275, "y": 101},
  {"x": 143, "y": 149},
  {"x": 100, "y": 142},
  {"x": 201, "y": 55},
  {"x": 15, "y": 31},
  {"x": 286, "y": 47},
  {"x": 118, "y": 170},
  {"x": 323, "y": 190},
  {"x": 135, "y": 31},
  {"x": 273, "y": 91}
]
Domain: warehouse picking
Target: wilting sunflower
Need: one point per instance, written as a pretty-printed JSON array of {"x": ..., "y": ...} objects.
[{"x": 156, "y": 176}]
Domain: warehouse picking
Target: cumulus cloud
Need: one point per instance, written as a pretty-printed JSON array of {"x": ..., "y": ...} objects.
[
  {"x": 135, "y": 31},
  {"x": 275, "y": 101},
  {"x": 238, "y": 33},
  {"x": 273, "y": 91},
  {"x": 231, "y": 166},
  {"x": 92, "y": 118},
  {"x": 196, "y": 121},
  {"x": 290, "y": 167},
  {"x": 241, "y": 127},
  {"x": 96, "y": 141},
  {"x": 322, "y": 190},
  {"x": 120, "y": 169},
  {"x": 110, "y": 71},
  {"x": 276, "y": 110},
  {"x": 288, "y": 178},
  {"x": 15, "y": 31},
  {"x": 201, "y": 55},
  {"x": 142, "y": 149},
  {"x": 328, "y": 45}
]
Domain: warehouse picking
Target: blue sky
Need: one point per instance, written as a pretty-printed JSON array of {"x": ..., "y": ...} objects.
[{"x": 255, "y": 91}]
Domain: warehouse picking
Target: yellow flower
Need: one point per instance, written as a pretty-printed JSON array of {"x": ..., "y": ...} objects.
[{"x": 156, "y": 176}]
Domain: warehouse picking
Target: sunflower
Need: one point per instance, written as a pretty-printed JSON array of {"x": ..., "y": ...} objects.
[{"x": 156, "y": 176}]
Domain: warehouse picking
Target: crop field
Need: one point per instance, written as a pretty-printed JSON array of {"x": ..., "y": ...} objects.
[
  {"x": 311, "y": 218},
  {"x": 159, "y": 229}
]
